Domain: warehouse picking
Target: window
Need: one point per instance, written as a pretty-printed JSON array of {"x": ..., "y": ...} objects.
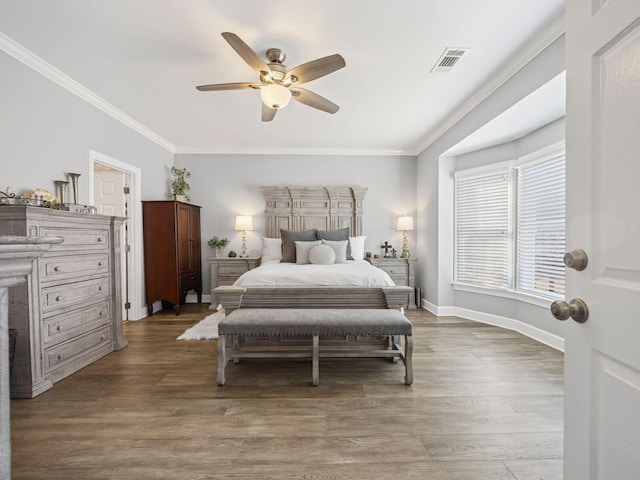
[{"x": 510, "y": 225}]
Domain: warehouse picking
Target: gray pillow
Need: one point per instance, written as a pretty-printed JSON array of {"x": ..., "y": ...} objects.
[
  {"x": 341, "y": 234},
  {"x": 289, "y": 238}
]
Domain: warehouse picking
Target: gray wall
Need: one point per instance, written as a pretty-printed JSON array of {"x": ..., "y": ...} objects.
[
  {"x": 46, "y": 131},
  {"x": 435, "y": 193},
  {"x": 227, "y": 185}
]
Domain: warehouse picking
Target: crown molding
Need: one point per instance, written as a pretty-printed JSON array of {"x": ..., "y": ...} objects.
[
  {"x": 291, "y": 151},
  {"x": 545, "y": 38},
  {"x": 47, "y": 70}
]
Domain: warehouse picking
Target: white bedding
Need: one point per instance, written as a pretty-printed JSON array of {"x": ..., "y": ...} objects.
[{"x": 352, "y": 273}]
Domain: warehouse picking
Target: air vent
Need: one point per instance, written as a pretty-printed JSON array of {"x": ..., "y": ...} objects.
[{"x": 448, "y": 59}]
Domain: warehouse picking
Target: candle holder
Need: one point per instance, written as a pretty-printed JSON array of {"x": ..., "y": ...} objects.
[
  {"x": 62, "y": 188},
  {"x": 74, "y": 184}
]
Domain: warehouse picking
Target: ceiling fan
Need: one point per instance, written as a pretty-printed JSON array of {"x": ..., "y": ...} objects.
[{"x": 277, "y": 84}]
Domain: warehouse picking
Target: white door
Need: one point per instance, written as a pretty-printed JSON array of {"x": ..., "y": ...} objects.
[
  {"x": 602, "y": 355},
  {"x": 109, "y": 193},
  {"x": 110, "y": 199}
]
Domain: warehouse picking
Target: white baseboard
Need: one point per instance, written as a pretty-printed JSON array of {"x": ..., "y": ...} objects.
[
  {"x": 439, "y": 311},
  {"x": 193, "y": 298},
  {"x": 537, "y": 334}
]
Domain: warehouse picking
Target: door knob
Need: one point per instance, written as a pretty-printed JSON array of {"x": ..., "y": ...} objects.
[
  {"x": 575, "y": 309},
  {"x": 576, "y": 259}
]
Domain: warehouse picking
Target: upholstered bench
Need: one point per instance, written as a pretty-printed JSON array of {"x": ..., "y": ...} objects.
[{"x": 322, "y": 327}]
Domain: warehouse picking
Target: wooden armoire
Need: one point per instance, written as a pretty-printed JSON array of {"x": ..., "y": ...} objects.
[{"x": 172, "y": 267}]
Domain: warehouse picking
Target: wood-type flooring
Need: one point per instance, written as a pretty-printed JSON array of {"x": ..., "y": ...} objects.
[{"x": 486, "y": 404}]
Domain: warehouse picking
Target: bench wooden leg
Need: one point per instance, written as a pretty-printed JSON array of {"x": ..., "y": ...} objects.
[
  {"x": 408, "y": 351},
  {"x": 315, "y": 361},
  {"x": 222, "y": 359}
]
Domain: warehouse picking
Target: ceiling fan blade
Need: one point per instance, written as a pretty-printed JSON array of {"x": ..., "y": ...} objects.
[
  {"x": 226, "y": 86},
  {"x": 247, "y": 54},
  {"x": 314, "y": 100},
  {"x": 315, "y": 69},
  {"x": 268, "y": 113}
]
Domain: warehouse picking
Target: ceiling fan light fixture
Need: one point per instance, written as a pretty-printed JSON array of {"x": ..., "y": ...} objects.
[{"x": 275, "y": 96}]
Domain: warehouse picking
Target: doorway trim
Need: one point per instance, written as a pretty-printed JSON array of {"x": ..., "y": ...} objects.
[{"x": 136, "y": 312}]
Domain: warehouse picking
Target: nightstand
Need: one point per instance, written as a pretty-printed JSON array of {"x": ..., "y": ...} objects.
[
  {"x": 401, "y": 271},
  {"x": 226, "y": 270}
]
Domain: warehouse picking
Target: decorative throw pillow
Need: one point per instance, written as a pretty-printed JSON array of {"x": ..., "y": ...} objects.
[
  {"x": 340, "y": 234},
  {"x": 340, "y": 249},
  {"x": 288, "y": 242},
  {"x": 357, "y": 247},
  {"x": 322, "y": 255},
  {"x": 271, "y": 250},
  {"x": 302, "y": 251}
]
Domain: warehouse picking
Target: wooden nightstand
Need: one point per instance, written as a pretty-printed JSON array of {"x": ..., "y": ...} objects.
[
  {"x": 226, "y": 270},
  {"x": 401, "y": 271}
]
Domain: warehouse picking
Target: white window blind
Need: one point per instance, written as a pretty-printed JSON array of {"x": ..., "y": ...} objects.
[
  {"x": 541, "y": 227},
  {"x": 482, "y": 230}
]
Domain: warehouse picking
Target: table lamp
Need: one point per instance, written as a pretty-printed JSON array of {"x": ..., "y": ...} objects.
[
  {"x": 405, "y": 224},
  {"x": 244, "y": 223}
]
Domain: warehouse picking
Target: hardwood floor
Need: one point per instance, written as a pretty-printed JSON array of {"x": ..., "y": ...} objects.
[{"x": 487, "y": 404}]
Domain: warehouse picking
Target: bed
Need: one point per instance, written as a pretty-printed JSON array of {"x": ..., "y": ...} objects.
[{"x": 327, "y": 209}]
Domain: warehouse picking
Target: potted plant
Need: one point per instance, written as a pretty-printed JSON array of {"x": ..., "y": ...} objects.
[
  {"x": 179, "y": 185},
  {"x": 218, "y": 244}
]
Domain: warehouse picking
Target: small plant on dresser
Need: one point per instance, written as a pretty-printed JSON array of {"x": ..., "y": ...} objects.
[
  {"x": 218, "y": 244},
  {"x": 179, "y": 185}
]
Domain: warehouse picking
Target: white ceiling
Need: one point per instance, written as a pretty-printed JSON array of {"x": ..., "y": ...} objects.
[{"x": 145, "y": 58}]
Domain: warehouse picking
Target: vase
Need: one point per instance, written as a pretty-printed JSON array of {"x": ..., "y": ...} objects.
[
  {"x": 219, "y": 251},
  {"x": 180, "y": 198}
]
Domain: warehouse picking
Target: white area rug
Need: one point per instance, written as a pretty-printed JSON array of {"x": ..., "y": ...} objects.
[{"x": 205, "y": 329}]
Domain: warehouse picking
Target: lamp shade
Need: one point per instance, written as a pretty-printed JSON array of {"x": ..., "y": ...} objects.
[
  {"x": 244, "y": 222},
  {"x": 405, "y": 223},
  {"x": 275, "y": 96}
]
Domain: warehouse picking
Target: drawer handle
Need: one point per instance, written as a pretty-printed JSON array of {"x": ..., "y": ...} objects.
[
  {"x": 59, "y": 327},
  {"x": 102, "y": 337},
  {"x": 100, "y": 239},
  {"x": 56, "y": 269},
  {"x": 100, "y": 288},
  {"x": 60, "y": 356},
  {"x": 59, "y": 298},
  {"x": 100, "y": 313},
  {"x": 100, "y": 264}
]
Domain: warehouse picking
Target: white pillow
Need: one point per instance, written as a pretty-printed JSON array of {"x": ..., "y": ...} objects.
[
  {"x": 340, "y": 249},
  {"x": 302, "y": 251},
  {"x": 323, "y": 254},
  {"x": 357, "y": 247},
  {"x": 271, "y": 250}
]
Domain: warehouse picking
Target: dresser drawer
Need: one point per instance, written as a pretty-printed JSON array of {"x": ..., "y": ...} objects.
[
  {"x": 77, "y": 239},
  {"x": 395, "y": 270},
  {"x": 59, "y": 328},
  {"x": 400, "y": 280},
  {"x": 71, "y": 267},
  {"x": 76, "y": 293},
  {"x": 232, "y": 271},
  {"x": 191, "y": 281},
  {"x": 59, "y": 355}
]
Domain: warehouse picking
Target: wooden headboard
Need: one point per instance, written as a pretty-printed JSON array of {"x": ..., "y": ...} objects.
[{"x": 303, "y": 208}]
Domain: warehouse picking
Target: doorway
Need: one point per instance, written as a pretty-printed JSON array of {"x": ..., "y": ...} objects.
[{"x": 114, "y": 189}]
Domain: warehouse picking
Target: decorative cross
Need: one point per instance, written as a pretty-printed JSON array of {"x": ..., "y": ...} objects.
[{"x": 386, "y": 247}]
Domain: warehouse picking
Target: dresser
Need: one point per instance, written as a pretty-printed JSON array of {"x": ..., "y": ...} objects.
[
  {"x": 172, "y": 267},
  {"x": 69, "y": 313},
  {"x": 401, "y": 271},
  {"x": 226, "y": 270}
]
